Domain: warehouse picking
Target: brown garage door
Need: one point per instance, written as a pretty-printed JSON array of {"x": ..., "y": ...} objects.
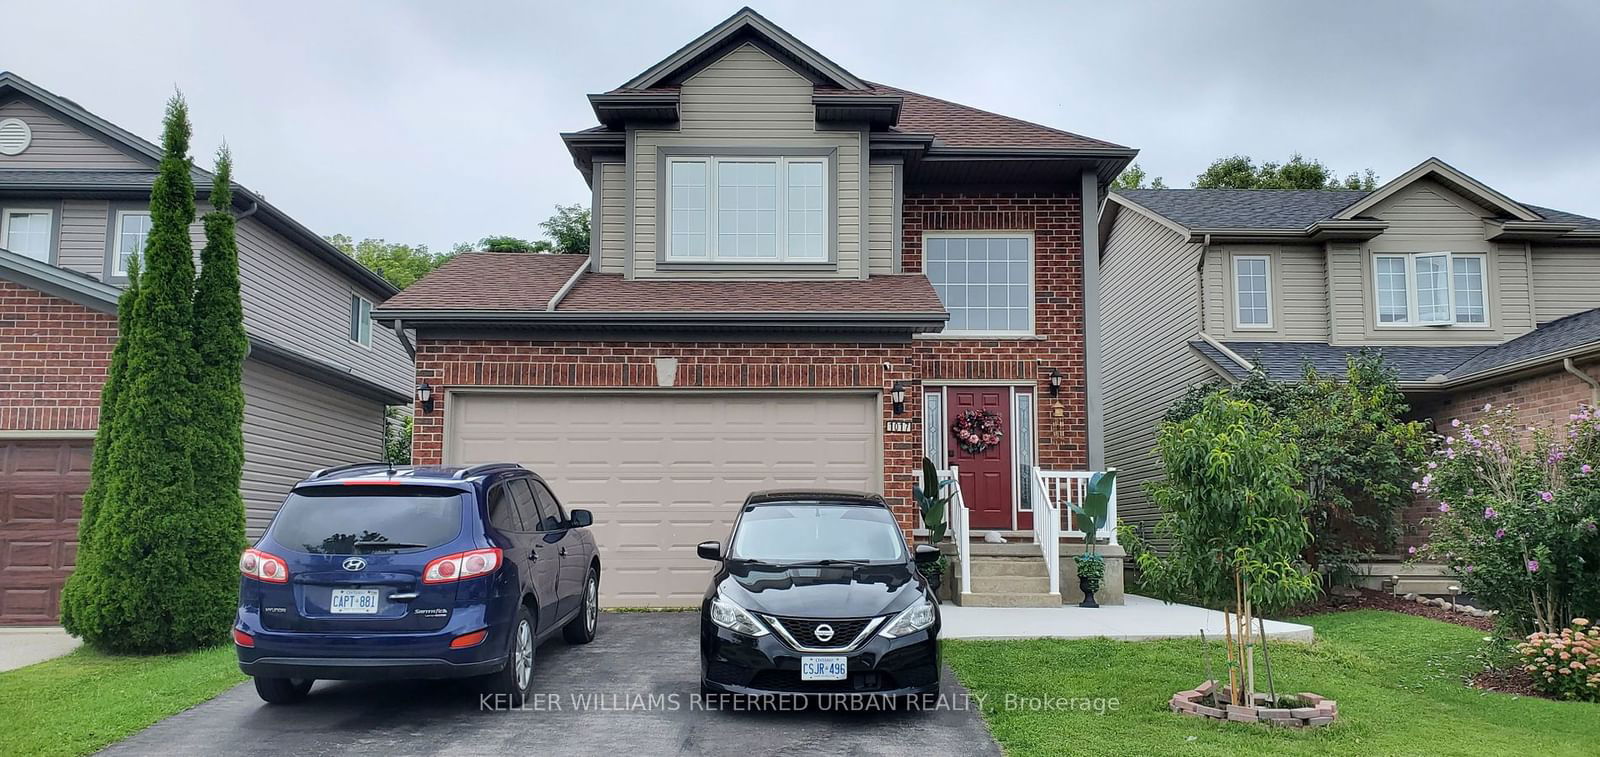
[{"x": 41, "y": 495}]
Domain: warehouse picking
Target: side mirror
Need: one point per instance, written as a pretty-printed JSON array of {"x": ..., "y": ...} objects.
[
  {"x": 709, "y": 550},
  {"x": 926, "y": 554},
  {"x": 580, "y": 518}
]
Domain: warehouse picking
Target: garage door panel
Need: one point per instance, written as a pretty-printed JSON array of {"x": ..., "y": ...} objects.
[
  {"x": 41, "y": 498},
  {"x": 663, "y": 472}
]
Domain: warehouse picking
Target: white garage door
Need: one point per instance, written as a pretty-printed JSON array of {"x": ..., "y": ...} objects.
[{"x": 663, "y": 472}]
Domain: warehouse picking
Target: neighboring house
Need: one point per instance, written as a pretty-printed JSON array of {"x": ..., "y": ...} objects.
[
  {"x": 780, "y": 249},
  {"x": 1470, "y": 296},
  {"x": 74, "y": 193}
]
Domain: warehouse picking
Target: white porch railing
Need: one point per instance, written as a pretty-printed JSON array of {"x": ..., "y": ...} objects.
[
  {"x": 956, "y": 515},
  {"x": 1064, "y": 489},
  {"x": 1046, "y": 528}
]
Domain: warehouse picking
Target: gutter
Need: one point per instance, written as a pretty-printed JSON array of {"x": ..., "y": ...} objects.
[{"x": 1594, "y": 385}]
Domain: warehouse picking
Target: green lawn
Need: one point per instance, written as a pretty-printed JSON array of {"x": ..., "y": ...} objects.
[
  {"x": 83, "y": 701},
  {"x": 1397, "y": 679}
]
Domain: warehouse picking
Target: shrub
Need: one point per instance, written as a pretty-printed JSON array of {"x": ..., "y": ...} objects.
[
  {"x": 1565, "y": 665},
  {"x": 1518, "y": 513}
]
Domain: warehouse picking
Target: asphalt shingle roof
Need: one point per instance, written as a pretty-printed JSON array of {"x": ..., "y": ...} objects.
[
  {"x": 1273, "y": 208},
  {"x": 1556, "y": 336},
  {"x": 490, "y": 281},
  {"x": 957, "y": 125}
]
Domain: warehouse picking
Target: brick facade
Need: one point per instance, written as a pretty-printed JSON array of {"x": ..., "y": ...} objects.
[
  {"x": 1061, "y": 426},
  {"x": 1543, "y": 400},
  {"x": 54, "y": 354}
]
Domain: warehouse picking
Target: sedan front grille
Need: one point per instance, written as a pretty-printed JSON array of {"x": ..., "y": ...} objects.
[{"x": 840, "y": 633}]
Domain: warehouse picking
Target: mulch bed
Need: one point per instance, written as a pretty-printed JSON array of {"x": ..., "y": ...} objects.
[
  {"x": 1515, "y": 682},
  {"x": 1377, "y": 600}
]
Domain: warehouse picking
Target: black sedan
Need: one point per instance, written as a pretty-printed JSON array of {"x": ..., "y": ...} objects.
[{"x": 816, "y": 593}]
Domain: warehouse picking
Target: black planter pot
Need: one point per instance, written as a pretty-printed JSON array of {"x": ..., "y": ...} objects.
[
  {"x": 1088, "y": 593},
  {"x": 935, "y": 579}
]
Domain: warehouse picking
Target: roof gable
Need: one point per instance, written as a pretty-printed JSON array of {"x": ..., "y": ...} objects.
[
  {"x": 1444, "y": 173},
  {"x": 15, "y": 91},
  {"x": 745, "y": 26}
]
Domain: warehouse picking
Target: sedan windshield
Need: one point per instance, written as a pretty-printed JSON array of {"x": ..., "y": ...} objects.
[{"x": 805, "y": 533}]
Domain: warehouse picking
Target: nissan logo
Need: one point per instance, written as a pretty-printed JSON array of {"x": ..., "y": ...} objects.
[
  {"x": 355, "y": 563},
  {"x": 823, "y": 632}
]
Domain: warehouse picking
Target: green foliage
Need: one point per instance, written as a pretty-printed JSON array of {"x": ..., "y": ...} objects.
[
  {"x": 1519, "y": 515},
  {"x": 137, "y": 587},
  {"x": 1091, "y": 570},
  {"x": 933, "y": 501},
  {"x": 1134, "y": 177},
  {"x": 568, "y": 229},
  {"x": 397, "y": 426},
  {"x": 1231, "y": 507},
  {"x": 1096, "y": 506},
  {"x": 399, "y": 264},
  {"x": 1240, "y": 172},
  {"x": 514, "y": 244}
]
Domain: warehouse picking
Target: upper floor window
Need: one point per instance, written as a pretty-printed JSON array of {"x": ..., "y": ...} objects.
[
  {"x": 360, "y": 320},
  {"x": 1430, "y": 289},
  {"x": 747, "y": 209},
  {"x": 27, "y": 232},
  {"x": 984, "y": 280},
  {"x": 133, "y": 231},
  {"x": 1252, "y": 275}
]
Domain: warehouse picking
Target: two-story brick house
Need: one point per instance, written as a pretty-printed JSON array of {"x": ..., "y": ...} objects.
[
  {"x": 74, "y": 209},
  {"x": 1471, "y": 296},
  {"x": 797, "y": 278}
]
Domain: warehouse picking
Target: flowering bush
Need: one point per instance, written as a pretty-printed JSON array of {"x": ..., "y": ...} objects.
[
  {"x": 1564, "y": 665},
  {"x": 1518, "y": 513}
]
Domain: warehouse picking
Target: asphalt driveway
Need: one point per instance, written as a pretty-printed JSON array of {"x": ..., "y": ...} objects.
[{"x": 633, "y": 691}]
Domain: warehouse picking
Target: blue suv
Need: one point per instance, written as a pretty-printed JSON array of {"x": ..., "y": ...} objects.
[{"x": 371, "y": 571}]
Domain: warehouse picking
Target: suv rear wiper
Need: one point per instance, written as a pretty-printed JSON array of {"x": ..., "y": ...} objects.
[{"x": 389, "y": 544}]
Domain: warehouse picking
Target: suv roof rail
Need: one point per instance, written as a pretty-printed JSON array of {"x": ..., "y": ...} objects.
[
  {"x": 320, "y": 472},
  {"x": 473, "y": 470}
]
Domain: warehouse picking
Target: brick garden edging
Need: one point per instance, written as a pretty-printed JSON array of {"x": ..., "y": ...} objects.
[{"x": 1196, "y": 702}]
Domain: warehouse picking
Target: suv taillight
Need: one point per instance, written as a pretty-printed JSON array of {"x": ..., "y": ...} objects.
[
  {"x": 263, "y": 566},
  {"x": 461, "y": 565}
]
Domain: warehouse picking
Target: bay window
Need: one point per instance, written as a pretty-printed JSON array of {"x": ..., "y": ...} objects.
[
  {"x": 747, "y": 209},
  {"x": 1430, "y": 289}
]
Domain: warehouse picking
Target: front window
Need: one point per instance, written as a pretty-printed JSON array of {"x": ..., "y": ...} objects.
[
  {"x": 1430, "y": 289},
  {"x": 343, "y": 520},
  {"x": 1251, "y": 274},
  {"x": 133, "y": 232},
  {"x": 789, "y": 533},
  {"x": 27, "y": 233},
  {"x": 360, "y": 321},
  {"x": 984, "y": 280},
  {"x": 758, "y": 209}
]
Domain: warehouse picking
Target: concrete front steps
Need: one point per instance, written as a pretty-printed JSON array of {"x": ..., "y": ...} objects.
[
  {"x": 1398, "y": 577},
  {"x": 1014, "y": 575}
]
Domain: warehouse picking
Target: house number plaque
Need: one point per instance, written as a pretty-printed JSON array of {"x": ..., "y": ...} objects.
[{"x": 897, "y": 427}]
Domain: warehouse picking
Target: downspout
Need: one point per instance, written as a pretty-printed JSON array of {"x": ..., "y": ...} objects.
[
  {"x": 1594, "y": 386},
  {"x": 405, "y": 340},
  {"x": 254, "y": 206}
]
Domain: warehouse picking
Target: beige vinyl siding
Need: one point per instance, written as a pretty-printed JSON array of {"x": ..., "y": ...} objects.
[
  {"x": 58, "y": 144},
  {"x": 881, "y": 211},
  {"x": 83, "y": 236},
  {"x": 1297, "y": 291},
  {"x": 1149, "y": 310},
  {"x": 292, "y": 426},
  {"x": 299, "y": 302},
  {"x": 747, "y": 99},
  {"x": 1566, "y": 280},
  {"x": 1428, "y": 217},
  {"x": 613, "y": 178}
]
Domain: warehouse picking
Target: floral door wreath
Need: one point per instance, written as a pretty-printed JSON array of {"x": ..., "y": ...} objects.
[{"x": 976, "y": 431}]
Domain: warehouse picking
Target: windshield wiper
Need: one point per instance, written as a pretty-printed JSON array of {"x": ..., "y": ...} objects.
[
  {"x": 389, "y": 544},
  {"x": 824, "y": 563}
]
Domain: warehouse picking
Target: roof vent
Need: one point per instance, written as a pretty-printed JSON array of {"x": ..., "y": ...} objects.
[{"x": 15, "y": 136}]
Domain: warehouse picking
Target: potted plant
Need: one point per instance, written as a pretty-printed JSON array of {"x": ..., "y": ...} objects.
[
  {"x": 934, "y": 502},
  {"x": 1092, "y": 515}
]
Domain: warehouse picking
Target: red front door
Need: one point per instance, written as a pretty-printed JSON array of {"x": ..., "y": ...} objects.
[{"x": 986, "y": 475}]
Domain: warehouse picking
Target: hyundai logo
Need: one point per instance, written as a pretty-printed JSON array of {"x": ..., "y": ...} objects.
[
  {"x": 355, "y": 563},
  {"x": 823, "y": 632}
]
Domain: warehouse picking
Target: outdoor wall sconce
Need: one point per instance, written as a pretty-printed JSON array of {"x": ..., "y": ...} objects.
[
  {"x": 1055, "y": 382},
  {"x": 897, "y": 394},
  {"x": 425, "y": 396}
]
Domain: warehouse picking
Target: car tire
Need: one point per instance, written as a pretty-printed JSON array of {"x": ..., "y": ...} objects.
[
  {"x": 515, "y": 680},
  {"x": 282, "y": 690},
  {"x": 580, "y": 630}
]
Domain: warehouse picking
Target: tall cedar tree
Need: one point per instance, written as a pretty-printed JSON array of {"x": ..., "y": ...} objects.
[
  {"x": 77, "y": 613},
  {"x": 218, "y": 442},
  {"x": 141, "y": 581}
]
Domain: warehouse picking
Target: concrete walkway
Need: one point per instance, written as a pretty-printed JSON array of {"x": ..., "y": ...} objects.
[
  {"x": 21, "y": 647},
  {"x": 1140, "y": 619}
]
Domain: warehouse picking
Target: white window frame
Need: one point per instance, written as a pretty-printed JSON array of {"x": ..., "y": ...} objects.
[
  {"x": 363, "y": 326},
  {"x": 1033, "y": 282},
  {"x": 118, "y": 268},
  {"x": 781, "y": 163},
  {"x": 49, "y": 242},
  {"x": 1413, "y": 314},
  {"x": 1238, "y": 323}
]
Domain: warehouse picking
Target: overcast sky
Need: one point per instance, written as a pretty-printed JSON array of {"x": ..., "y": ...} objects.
[{"x": 437, "y": 122}]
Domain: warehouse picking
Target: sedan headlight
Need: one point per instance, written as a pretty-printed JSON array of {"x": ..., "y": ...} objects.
[
  {"x": 910, "y": 620},
  {"x": 734, "y": 618}
]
